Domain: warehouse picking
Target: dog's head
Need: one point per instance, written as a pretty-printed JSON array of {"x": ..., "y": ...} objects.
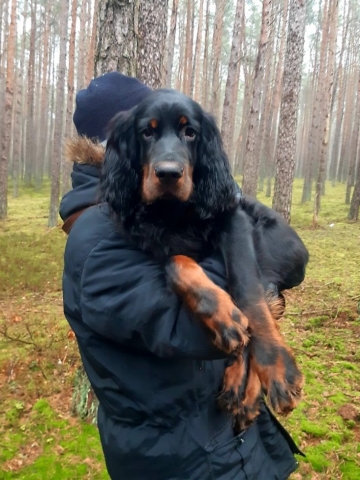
[{"x": 166, "y": 148}]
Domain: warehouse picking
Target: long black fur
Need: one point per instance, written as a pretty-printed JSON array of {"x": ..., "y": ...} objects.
[{"x": 195, "y": 227}]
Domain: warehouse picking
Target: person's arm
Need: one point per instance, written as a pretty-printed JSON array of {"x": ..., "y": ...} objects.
[
  {"x": 281, "y": 254},
  {"x": 125, "y": 298}
]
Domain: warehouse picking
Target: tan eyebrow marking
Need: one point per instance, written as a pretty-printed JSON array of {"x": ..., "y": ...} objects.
[
  {"x": 153, "y": 123},
  {"x": 183, "y": 121}
]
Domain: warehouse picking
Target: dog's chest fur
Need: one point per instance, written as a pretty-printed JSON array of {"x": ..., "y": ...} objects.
[{"x": 167, "y": 229}]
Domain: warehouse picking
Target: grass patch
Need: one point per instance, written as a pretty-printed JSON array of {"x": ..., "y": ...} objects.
[{"x": 38, "y": 357}]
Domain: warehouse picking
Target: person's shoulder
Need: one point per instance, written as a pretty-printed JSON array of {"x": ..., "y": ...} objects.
[
  {"x": 93, "y": 227},
  {"x": 94, "y": 223}
]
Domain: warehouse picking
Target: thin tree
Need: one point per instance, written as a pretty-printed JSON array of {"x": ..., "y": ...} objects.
[
  {"x": 205, "y": 70},
  {"x": 355, "y": 201},
  {"x": 30, "y": 120},
  {"x": 188, "y": 49},
  {"x": 251, "y": 163},
  {"x": 70, "y": 95},
  {"x": 285, "y": 152},
  {"x": 59, "y": 117},
  {"x": 7, "y": 113},
  {"x": 216, "y": 57},
  {"x": 232, "y": 82},
  {"x": 326, "y": 87},
  {"x": 82, "y": 42},
  {"x": 171, "y": 42}
]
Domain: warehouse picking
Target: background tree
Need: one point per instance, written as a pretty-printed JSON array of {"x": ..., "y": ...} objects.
[
  {"x": 286, "y": 146},
  {"x": 7, "y": 112},
  {"x": 228, "y": 54},
  {"x": 59, "y": 118},
  {"x": 251, "y": 163}
]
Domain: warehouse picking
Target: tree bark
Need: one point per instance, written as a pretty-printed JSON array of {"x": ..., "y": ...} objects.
[
  {"x": 198, "y": 57},
  {"x": 151, "y": 42},
  {"x": 82, "y": 52},
  {"x": 91, "y": 56},
  {"x": 66, "y": 167},
  {"x": 188, "y": 49},
  {"x": 216, "y": 57},
  {"x": 354, "y": 145},
  {"x": 326, "y": 86},
  {"x": 171, "y": 42},
  {"x": 7, "y": 113},
  {"x": 131, "y": 39},
  {"x": 355, "y": 201},
  {"x": 232, "y": 83},
  {"x": 205, "y": 71},
  {"x": 251, "y": 163},
  {"x": 30, "y": 126},
  {"x": 286, "y": 146},
  {"x": 59, "y": 117}
]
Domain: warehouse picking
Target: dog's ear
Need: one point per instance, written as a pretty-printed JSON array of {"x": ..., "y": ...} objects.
[
  {"x": 120, "y": 178},
  {"x": 215, "y": 187}
]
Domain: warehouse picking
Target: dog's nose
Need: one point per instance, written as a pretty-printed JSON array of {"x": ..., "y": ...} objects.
[{"x": 169, "y": 172}]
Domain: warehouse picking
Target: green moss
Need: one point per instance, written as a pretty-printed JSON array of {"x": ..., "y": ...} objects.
[
  {"x": 350, "y": 470},
  {"x": 313, "y": 429},
  {"x": 318, "y": 462}
]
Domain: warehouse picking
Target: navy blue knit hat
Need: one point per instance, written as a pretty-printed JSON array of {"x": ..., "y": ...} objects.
[{"x": 103, "y": 99}]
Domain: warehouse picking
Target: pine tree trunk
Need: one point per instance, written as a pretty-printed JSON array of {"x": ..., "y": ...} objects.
[
  {"x": 216, "y": 58},
  {"x": 59, "y": 118},
  {"x": 338, "y": 126},
  {"x": 7, "y": 113},
  {"x": 188, "y": 50},
  {"x": 286, "y": 145},
  {"x": 198, "y": 56},
  {"x": 329, "y": 33},
  {"x": 91, "y": 54},
  {"x": 311, "y": 159},
  {"x": 355, "y": 201},
  {"x": 82, "y": 52},
  {"x": 30, "y": 127},
  {"x": 251, "y": 163},
  {"x": 17, "y": 135},
  {"x": 354, "y": 146},
  {"x": 205, "y": 71},
  {"x": 66, "y": 184},
  {"x": 171, "y": 42},
  {"x": 151, "y": 42},
  {"x": 131, "y": 39},
  {"x": 232, "y": 83}
]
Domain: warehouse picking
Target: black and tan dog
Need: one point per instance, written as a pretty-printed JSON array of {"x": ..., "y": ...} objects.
[{"x": 169, "y": 183}]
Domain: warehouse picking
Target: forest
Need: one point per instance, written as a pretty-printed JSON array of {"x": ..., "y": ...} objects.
[{"x": 282, "y": 78}]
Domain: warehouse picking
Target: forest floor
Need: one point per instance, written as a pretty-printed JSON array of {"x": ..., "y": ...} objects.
[{"x": 40, "y": 438}]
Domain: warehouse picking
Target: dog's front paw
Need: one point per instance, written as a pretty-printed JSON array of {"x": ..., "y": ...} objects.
[{"x": 208, "y": 302}]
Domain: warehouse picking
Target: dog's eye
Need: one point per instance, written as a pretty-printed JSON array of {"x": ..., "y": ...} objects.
[
  {"x": 147, "y": 133},
  {"x": 190, "y": 133}
]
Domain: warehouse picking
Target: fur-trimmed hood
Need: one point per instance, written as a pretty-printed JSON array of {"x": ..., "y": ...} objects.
[
  {"x": 85, "y": 151},
  {"x": 87, "y": 157}
]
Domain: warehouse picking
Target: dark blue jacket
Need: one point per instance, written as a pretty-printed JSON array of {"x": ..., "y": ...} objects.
[{"x": 153, "y": 367}]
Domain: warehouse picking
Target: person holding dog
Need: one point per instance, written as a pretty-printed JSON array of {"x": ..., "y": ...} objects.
[{"x": 152, "y": 366}]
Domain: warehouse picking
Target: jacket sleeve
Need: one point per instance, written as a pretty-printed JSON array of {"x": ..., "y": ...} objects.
[{"x": 124, "y": 297}]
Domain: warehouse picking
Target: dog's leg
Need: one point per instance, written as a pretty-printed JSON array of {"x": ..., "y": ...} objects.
[
  {"x": 209, "y": 303},
  {"x": 270, "y": 359}
]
